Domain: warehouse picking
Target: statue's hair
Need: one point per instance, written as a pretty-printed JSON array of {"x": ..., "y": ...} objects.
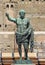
[{"x": 22, "y": 11}]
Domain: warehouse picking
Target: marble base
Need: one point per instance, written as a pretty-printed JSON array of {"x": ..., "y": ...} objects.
[{"x": 23, "y": 62}]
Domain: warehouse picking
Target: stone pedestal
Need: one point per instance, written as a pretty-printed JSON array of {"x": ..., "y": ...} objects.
[{"x": 23, "y": 62}]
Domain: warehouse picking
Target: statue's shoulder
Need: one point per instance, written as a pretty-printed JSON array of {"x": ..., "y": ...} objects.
[
  {"x": 18, "y": 18},
  {"x": 27, "y": 19}
]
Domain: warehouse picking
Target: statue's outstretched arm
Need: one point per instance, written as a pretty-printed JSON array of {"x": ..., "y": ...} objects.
[{"x": 10, "y": 18}]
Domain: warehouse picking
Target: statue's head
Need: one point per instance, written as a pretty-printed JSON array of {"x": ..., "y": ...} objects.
[{"x": 22, "y": 14}]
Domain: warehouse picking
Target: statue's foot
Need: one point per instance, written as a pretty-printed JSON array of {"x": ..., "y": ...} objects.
[
  {"x": 20, "y": 58},
  {"x": 27, "y": 58}
]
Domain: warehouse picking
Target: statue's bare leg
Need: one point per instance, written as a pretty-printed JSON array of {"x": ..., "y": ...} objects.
[
  {"x": 32, "y": 41},
  {"x": 26, "y": 50},
  {"x": 31, "y": 46},
  {"x": 20, "y": 51}
]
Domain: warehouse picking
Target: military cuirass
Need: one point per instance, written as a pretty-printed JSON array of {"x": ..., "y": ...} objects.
[{"x": 21, "y": 25}]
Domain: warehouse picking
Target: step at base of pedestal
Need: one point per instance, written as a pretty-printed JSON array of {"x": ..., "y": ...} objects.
[{"x": 23, "y": 62}]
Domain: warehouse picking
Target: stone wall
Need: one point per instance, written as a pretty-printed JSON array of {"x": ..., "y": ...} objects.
[{"x": 35, "y": 11}]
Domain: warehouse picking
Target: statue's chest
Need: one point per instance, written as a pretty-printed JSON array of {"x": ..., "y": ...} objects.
[
  {"x": 22, "y": 22},
  {"x": 21, "y": 25}
]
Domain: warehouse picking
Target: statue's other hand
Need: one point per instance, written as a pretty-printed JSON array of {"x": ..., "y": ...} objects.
[{"x": 7, "y": 14}]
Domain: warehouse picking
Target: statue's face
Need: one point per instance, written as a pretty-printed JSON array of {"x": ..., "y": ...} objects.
[{"x": 22, "y": 15}]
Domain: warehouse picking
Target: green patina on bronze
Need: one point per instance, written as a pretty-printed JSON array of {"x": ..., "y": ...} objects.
[{"x": 24, "y": 33}]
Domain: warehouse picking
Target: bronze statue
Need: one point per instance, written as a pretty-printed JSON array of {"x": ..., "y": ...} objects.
[{"x": 24, "y": 33}]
